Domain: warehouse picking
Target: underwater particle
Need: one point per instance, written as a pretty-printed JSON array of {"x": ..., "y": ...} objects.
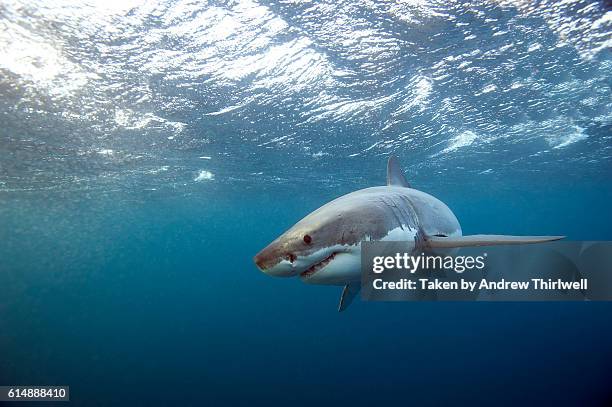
[
  {"x": 566, "y": 139},
  {"x": 488, "y": 89},
  {"x": 534, "y": 47},
  {"x": 320, "y": 154},
  {"x": 163, "y": 168},
  {"x": 204, "y": 175},
  {"x": 463, "y": 139}
]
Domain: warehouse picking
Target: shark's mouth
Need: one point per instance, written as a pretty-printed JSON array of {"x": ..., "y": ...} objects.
[{"x": 318, "y": 266}]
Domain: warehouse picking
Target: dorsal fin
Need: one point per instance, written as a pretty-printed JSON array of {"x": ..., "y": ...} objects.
[{"x": 395, "y": 176}]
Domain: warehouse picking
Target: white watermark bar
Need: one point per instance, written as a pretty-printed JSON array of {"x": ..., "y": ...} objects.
[
  {"x": 555, "y": 271},
  {"x": 34, "y": 393}
]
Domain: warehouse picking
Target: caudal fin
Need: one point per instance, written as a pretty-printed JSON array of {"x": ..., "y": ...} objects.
[{"x": 486, "y": 240}]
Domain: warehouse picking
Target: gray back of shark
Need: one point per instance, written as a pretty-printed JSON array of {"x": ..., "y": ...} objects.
[{"x": 325, "y": 246}]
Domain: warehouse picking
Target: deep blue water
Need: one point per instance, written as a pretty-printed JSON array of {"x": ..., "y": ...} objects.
[{"x": 148, "y": 151}]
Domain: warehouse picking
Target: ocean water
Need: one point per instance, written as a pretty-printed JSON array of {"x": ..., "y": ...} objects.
[{"x": 148, "y": 150}]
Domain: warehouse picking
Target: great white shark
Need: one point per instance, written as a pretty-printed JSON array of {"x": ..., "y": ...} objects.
[{"x": 325, "y": 246}]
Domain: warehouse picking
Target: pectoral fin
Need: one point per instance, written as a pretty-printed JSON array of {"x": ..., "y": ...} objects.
[
  {"x": 486, "y": 240},
  {"x": 349, "y": 292}
]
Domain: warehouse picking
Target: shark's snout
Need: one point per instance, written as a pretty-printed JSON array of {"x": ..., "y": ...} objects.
[
  {"x": 275, "y": 262},
  {"x": 259, "y": 262},
  {"x": 263, "y": 260}
]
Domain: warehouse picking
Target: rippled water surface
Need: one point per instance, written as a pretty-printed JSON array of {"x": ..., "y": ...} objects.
[
  {"x": 129, "y": 94},
  {"x": 149, "y": 149}
]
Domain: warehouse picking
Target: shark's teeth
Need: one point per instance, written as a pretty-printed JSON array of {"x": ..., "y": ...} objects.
[{"x": 318, "y": 266}]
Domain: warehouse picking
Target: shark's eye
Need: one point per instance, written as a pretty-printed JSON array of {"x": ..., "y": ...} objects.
[{"x": 307, "y": 239}]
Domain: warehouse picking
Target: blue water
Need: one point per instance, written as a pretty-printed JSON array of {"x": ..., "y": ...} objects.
[{"x": 149, "y": 150}]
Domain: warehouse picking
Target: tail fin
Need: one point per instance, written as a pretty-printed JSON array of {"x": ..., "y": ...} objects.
[{"x": 486, "y": 240}]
